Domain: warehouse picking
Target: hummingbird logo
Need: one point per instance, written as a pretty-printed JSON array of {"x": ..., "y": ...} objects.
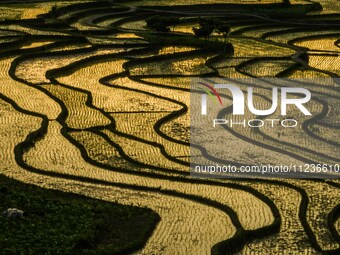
[{"x": 213, "y": 94}]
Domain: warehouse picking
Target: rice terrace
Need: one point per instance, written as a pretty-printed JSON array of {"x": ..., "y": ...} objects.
[{"x": 95, "y": 150}]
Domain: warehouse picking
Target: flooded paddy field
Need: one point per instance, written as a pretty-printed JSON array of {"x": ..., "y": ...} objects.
[{"x": 94, "y": 101}]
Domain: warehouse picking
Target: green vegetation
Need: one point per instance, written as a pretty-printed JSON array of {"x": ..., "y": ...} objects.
[
  {"x": 209, "y": 25},
  {"x": 55, "y": 222},
  {"x": 180, "y": 41},
  {"x": 206, "y": 27},
  {"x": 161, "y": 23}
]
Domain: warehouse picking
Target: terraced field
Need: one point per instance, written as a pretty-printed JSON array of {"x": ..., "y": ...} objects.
[{"x": 94, "y": 102}]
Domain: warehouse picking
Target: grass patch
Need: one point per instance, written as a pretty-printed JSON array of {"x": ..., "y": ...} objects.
[{"x": 62, "y": 223}]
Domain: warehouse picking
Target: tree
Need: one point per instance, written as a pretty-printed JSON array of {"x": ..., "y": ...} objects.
[
  {"x": 203, "y": 31},
  {"x": 152, "y": 20},
  {"x": 223, "y": 29},
  {"x": 160, "y": 27},
  {"x": 172, "y": 21},
  {"x": 206, "y": 27},
  {"x": 161, "y": 23}
]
